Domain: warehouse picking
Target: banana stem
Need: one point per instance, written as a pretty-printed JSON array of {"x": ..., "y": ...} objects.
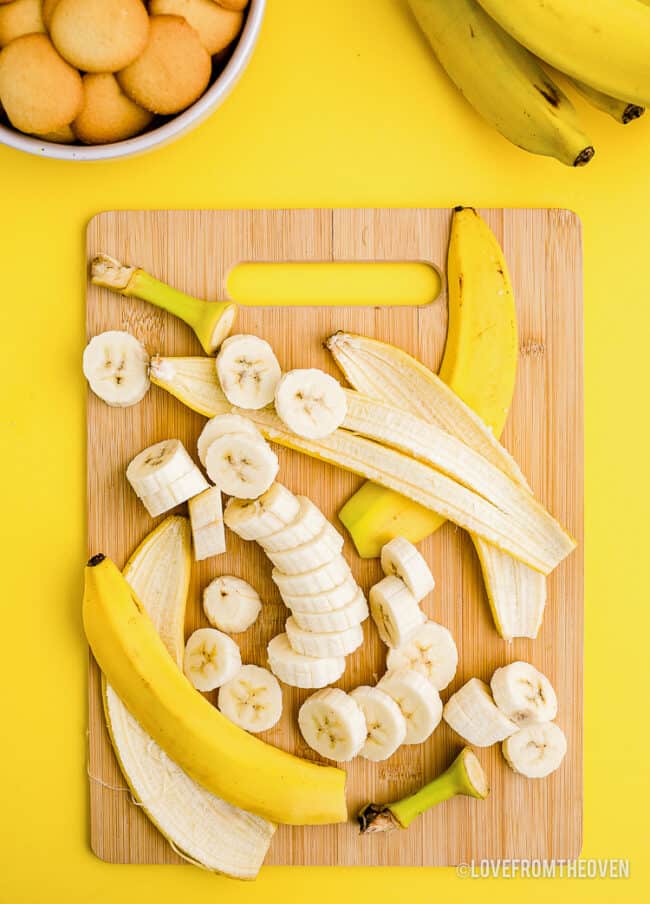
[{"x": 465, "y": 777}]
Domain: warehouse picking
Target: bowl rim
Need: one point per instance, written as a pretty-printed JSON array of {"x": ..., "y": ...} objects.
[{"x": 183, "y": 122}]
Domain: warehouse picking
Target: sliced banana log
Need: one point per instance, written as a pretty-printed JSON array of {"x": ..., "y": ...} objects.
[
  {"x": 536, "y": 750},
  {"x": 524, "y": 694},
  {"x": 333, "y": 724},
  {"x": 302, "y": 671},
  {"x": 206, "y": 518},
  {"x": 242, "y": 465},
  {"x": 432, "y": 653},
  {"x": 158, "y": 466},
  {"x": 255, "y": 519},
  {"x": 333, "y": 643},
  {"x": 252, "y": 699},
  {"x": 318, "y": 579},
  {"x": 307, "y": 524},
  {"x": 211, "y": 658},
  {"x": 336, "y": 620},
  {"x": 473, "y": 714},
  {"x": 395, "y": 611},
  {"x": 116, "y": 365},
  {"x": 327, "y": 600},
  {"x": 179, "y": 491},
  {"x": 385, "y": 723},
  {"x": 400, "y": 558},
  {"x": 230, "y": 604},
  {"x": 310, "y": 402},
  {"x": 418, "y": 700},
  {"x": 220, "y": 426},
  {"x": 308, "y": 556},
  {"x": 248, "y": 371}
]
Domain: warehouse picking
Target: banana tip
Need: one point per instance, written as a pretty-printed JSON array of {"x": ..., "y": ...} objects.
[{"x": 96, "y": 560}]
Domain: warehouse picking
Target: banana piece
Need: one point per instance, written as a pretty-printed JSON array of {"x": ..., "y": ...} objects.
[
  {"x": 319, "y": 551},
  {"x": 116, "y": 365},
  {"x": 248, "y": 371},
  {"x": 432, "y": 653},
  {"x": 206, "y": 518},
  {"x": 332, "y": 643},
  {"x": 535, "y": 750},
  {"x": 220, "y": 426},
  {"x": 401, "y": 558},
  {"x": 230, "y": 604},
  {"x": 164, "y": 475},
  {"x": 524, "y": 694},
  {"x": 385, "y": 723},
  {"x": 302, "y": 671},
  {"x": 325, "y": 577},
  {"x": 255, "y": 519},
  {"x": 211, "y": 658},
  {"x": 310, "y": 402},
  {"x": 181, "y": 490},
  {"x": 333, "y": 724},
  {"x": 418, "y": 700},
  {"x": 252, "y": 699},
  {"x": 473, "y": 714},
  {"x": 241, "y": 465},
  {"x": 193, "y": 381},
  {"x": 326, "y": 600},
  {"x": 308, "y": 523},
  {"x": 336, "y": 620},
  {"x": 395, "y": 611}
]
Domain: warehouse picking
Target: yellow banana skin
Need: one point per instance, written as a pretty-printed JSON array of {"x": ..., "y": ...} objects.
[
  {"x": 504, "y": 83},
  {"x": 221, "y": 757},
  {"x": 619, "y": 110},
  {"x": 604, "y": 43}
]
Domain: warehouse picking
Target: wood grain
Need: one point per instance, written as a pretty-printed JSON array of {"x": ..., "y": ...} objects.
[{"x": 195, "y": 250}]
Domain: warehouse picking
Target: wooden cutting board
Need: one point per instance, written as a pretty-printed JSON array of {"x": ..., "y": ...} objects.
[{"x": 194, "y": 250}]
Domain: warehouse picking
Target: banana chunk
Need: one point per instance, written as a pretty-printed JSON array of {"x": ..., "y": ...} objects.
[
  {"x": 308, "y": 556},
  {"x": 333, "y": 724},
  {"x": 432, "y": 653},
  {"x": 221, "y": 425},
  {"x": 524, "y": 694},
  {"x": 302, "y": 671},
  {"x": 164, "y": 475},
  {"x": 308, "y": 522},
  {"x": 248, "y": 371},
  {"x": 310, "y": 402},
  {"x": 116, "y": 365},
  {"x": 395, "y": 611},
  {"x": 337, "y": 620},
  {"x": 536, "y": 750},
  {"x": 331, "y": 643},
  {"x": 255, "y": 519},
  {"x": 418, "y": 700},
  {"x": 211, "y": 658},
  {"x": 327, "y": 600},
  {"x": 252, "y": 699},
  {"x": 230, "y": 604},
  {"x": 241, "y": 465},
  {"x": 402, "y": 559},
  {"x": 325, "y": 577},
  {"x": 206, "y": 518},
  {"x": 473, "y": 714},
  {"x": 385, "y": 723}
]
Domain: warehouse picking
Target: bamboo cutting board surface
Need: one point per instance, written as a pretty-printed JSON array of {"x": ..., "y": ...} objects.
[{"x": 195, "y": 250}]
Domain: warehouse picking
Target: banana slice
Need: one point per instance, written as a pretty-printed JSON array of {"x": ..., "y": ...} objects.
[
  {"x": 206, "y": 518},
  {"x": 536, "y": 750},
  {"x": 524, "y": 694},
  {"x": 158, "y": 466},
  {"x": 248, "y": 371},
  {"x": 302, "y": 671},
  {"x": 336, "y": 620},
  {"x": 327, "y": 600},
  {"x": 211, "y": 658},
  {"x": 231, "y": 604},
  {"x": 418, "y": 700},
  {"x": 332, "y": 643},
  {"x": 333, "y": 724},
  {"x": 319, "y": 551},
  {"x": 252, "y": 699},
  {"x": 255, "y": 519},
  {"x": 307, "y": 524},
  {"x": 310, "y": 402},
  {"x": 395, "y": 611},
  {"x": 220, "y": 426},
  {"x": 116, "y": 366},
  {"x": 385, "y": 723},
  {"x": 473, "y": 714},
  {"x": 325, "y": 577},
  {"x": 401, "y": 558},
  {"x": 241, "y": 465},
  {"x": 178, "y": 491},
  {"x": 432, "y": 653}
]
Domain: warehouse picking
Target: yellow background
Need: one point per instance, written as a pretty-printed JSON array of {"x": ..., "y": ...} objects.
[{"x": 342, "y": 105}]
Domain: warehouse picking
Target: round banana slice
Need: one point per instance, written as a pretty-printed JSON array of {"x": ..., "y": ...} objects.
[
  {"x": 231, "y": 604},
  {"x": 252, "y": 699},
  {"x": 248, "y": 371},
  {"x": 401, "y": 558},
  {"x": 336, "y": 620},
  {"x": 524, "y": 694},
  {"x": 432, "y": 653},
  {"x": 179, "y": 490},
  {"x": 220, "y": 426},
  {"x": 473, "y": 714},
  {"x": 241, "y": 465},
  {"x": 308, "y": 522},
  {"x": 310, "y": 402},
  {"x": 308, "y": 556},
  {"x": 302, "y": 671},
  {"x": 536, "y": 750},
  {"x": 385, "y": 723},
  {"x": 158, "y": 466},
  {"x": 323, "y": 578},
  {"x": 418, "y": 700},
  {"x": 211, "y": 658},
  {"x": 395, "y": 611},
  {"x": 332, "y": 723},
  {"x": 116, "y": 365},
  {"x": 333, "y": 643},
  {"x": 255, "y": 519},
  {"x": 327, "y": 600}
]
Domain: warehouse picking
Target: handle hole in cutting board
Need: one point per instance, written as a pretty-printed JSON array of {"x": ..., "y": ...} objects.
[{"x": 338, "y": 284}]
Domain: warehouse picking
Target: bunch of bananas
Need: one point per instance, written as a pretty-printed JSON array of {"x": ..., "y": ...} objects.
[{"x": 493, "y": 51}]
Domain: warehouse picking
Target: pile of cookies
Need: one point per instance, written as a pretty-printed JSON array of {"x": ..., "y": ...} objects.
[{"x": 99, "y": 71}]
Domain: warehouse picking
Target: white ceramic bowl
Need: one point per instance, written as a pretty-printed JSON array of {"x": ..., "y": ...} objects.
[{"x": 205, "y": 105}]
